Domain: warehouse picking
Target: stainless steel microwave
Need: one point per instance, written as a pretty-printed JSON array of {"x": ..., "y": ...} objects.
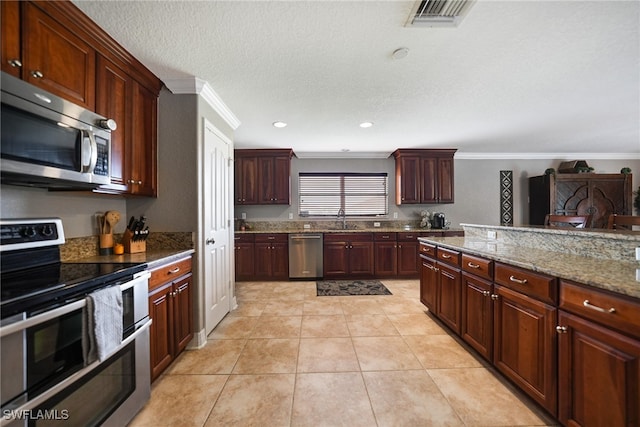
[{"x": 47, "y": 141}]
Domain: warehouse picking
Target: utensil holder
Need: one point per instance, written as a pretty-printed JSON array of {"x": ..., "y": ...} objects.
[
  {"x": 106, "y": 244},
  {"x": 133, "y": 246}
]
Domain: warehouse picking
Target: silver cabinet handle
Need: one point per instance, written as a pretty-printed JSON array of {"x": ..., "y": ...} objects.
[
  {"x": 494, "y": 297},
  {"x": 516, "y": 280},
  {"x": 449, "y": 275},
  {"x": 587, "y": 304},
  {"x": 472, "y": 265},
  {"x": 15, "y": 63},
  {"x": 174, "y": 271},
  {"x": 561, "y": 329},
  {"x": 486, "y": 293},
  {"x": 445, "y": 256},
  {"x": 37, "y": 74}
]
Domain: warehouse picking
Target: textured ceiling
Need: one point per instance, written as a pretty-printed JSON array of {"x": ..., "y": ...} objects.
[{"x": 535, "y": 77}]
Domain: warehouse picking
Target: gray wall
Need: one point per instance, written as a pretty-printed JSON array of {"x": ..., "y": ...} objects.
[{"x": 477, "y": 187}]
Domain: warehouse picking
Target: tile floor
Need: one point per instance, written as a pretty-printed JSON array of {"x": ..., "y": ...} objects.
[{"x": 286, "y": 357}]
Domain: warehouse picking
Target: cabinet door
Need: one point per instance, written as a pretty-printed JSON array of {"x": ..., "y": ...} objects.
[
  {"x": 525, "y": 345},
  {"x": 11, "y": 55},
  {"x": 449, "y": 296},
  {"x": 246, "y": 181},
  {"x": 609, "y": 195},
  {"x": 114, "y": 92},
  {"x": 182, "y": 313},
  {"x": 266, "y": 177},
  {"x": 477, "y": 314},
  {"x": 385, "y": 259},
  {"x": 408, "y": 262},
  {"x": 336, "y": 259},
  {"x": 361, "y": 258},
  {"x": 161, "y": 333},
  {"x": 282, "y": 180},
  {"x": 429, "y": 180},
  {"x": 445, "y": 180},
  {"x": 408, "y": 180},
  {"x": 143, "y": 154},
  {"x": 280, "y": 261},
  {"x": 244, "y": 261},
  {"x": 599, "y": 375},
  {"x": 57, "y": 60},
  {"x": 429, "y": 283},
  {"x": 263, "y": 267}
]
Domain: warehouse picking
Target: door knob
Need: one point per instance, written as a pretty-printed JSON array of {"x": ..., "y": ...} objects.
[{"x": 210, "y": 241}]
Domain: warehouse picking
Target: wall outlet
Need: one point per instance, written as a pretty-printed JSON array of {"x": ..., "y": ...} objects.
[
  {"x": 492, "y": 235},
  {"x": 638, "y": 254},
  {"x": 395, "y": 215},
  {"x": 376, "y": 224},
  {"x": 243, "y": 215},
  {"x": 306, "y": 226},
  {"x": 290, "y": 215}
]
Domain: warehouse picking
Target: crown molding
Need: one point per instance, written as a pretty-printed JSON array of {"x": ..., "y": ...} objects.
[
  {"x": 196, "y": 86},
  {"x": 554, "y": 156},
  {"x": 342, "y": 154}
]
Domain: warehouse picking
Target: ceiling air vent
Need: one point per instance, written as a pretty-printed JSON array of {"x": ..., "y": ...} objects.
[{"x": 439, "y": 13}]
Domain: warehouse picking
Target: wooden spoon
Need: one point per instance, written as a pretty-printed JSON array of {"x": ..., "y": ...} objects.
[{"x": 111, "y": 218}]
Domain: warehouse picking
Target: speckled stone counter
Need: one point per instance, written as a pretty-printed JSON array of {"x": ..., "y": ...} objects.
[
  {"x": 332, "y": 226},
  {"x": 152, "y": 258},
  {"x": 596, "y": 263}
]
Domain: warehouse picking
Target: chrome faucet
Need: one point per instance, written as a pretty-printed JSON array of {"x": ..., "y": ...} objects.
[{"x": 344, "y": 218}]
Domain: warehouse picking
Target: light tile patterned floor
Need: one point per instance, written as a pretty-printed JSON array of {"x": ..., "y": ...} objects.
[{"x": 286, "y": 357}]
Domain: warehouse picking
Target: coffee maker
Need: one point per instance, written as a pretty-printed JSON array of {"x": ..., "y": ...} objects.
[{"x": 438, "y": 222}]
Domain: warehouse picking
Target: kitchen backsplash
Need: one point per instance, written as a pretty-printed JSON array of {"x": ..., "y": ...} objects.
[
  {"x": 85, "y": 247},
  {"x": 314, "y": 224}
]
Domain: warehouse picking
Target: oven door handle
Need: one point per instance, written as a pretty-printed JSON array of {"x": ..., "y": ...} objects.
[
  {"x": 41, "y": 398},
  {"x": 41, "y": 318}
]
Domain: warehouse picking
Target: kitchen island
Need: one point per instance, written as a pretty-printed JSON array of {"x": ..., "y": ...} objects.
[{"x": 556, "y": 311}]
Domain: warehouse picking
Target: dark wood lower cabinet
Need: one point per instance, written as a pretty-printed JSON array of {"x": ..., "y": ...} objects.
[
  {"x": 428, "y": 283},
  {"x": 386, "y": 259},
  {"x": 347, "y": 255},
  {"x": 477, "y": 314},
  {"x": 408, "y": 262},
  {"x": 448, "y": 297},
  {"x": 525, "y": 344},
  {"x": 599, "y": 375},
  {"x": 271, "y": 257},
  {"x": 171, "y": 311}
]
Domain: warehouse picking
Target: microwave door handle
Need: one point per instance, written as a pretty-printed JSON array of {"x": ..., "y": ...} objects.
[{"x": 89, "y": 152}]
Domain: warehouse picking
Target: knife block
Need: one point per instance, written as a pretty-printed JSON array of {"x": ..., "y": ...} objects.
[{"x": 131, "y": 246}]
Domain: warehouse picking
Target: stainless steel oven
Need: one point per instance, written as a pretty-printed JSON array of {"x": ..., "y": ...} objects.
[{"x": 45, "y": 378}]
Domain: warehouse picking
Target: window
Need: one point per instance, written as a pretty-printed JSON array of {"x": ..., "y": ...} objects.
[{"x": 359, "y": 194}]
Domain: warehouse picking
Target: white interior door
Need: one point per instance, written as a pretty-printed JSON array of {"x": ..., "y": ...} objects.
[{"x": 216, "y": 221}]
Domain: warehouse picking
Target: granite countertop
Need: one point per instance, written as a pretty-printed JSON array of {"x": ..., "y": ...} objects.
[
  {"x": 620, "y": 276},
  {"x": 351, "y": 230},
  {"x": 152, "y": 258}
]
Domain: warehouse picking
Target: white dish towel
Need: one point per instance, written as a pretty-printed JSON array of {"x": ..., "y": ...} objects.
[{"x": 102, "y": 328}]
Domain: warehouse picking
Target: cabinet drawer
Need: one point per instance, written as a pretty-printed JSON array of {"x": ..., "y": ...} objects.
[
  {"x": 384, "y": 237},
  {"x": 537, "y": 285},
  {"x": 449, "y": 256},
  {"x": 408, "y": 237},
  {"x": 479, "y": 266},
  {"x": 243, "y": 238},
  {"x": 270, "y": 238},
  {"x": 169, "y": 272},
  {"x": 428, "y": 250},
  {"x": 602, "y": 307}
]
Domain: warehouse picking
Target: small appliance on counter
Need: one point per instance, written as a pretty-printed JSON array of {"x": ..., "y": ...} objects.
[
  {"x": 135, "y": 236},
  {"x": 438, "y": 222}
]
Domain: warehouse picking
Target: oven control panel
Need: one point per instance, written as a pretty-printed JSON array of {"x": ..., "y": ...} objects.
[{"x": 30, "y": 233}]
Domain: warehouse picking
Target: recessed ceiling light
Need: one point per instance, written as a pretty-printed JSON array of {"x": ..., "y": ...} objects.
[
  {"x": 279, "y": 124},
  {"x": 366, "y": 124},
  {"x": 400, "y": 53}
]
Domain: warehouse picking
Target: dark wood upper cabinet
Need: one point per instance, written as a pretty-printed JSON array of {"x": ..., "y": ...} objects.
[
  {"x": 142, "y": 162},
  {"x": 263, "y": 177},
  {"x": 598, "y": 195},
  {"x": 10, "y": 38},
  {"x": 56, "y": 59},
  {"x": 424, "y": 176}
]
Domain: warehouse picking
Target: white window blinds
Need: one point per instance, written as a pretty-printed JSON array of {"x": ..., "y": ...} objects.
[{"x": 359, "y": 194}]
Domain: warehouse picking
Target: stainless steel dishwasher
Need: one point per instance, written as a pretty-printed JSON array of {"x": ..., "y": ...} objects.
[{"x": 305, "y": 256}]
